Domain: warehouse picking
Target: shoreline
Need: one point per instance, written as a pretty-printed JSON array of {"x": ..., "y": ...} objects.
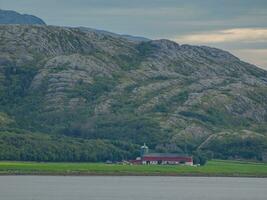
[
  {"x": 131, "y": 174},
  {"x": 214, "y": 168}
]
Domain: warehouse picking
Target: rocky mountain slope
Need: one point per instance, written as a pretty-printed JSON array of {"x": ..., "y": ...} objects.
[
  {"x": 176, "y": 98},
  {"x": 12, "y": 17}
]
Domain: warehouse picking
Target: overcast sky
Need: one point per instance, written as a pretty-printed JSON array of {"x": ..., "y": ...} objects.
[{"x": 239, "y": 26}]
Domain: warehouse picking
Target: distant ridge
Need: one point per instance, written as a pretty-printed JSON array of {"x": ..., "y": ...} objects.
[
  {"x": 125, "y": 36},
  {"x": 13, "y": 17}
]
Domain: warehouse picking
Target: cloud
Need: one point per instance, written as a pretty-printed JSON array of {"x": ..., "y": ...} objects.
[
  {"x": 249, "y": 44},
  {"x": 255, "y": 56},
  {"x": 228, "y": 35}
]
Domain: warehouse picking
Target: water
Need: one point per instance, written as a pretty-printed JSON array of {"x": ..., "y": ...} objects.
[{"x": 130, "y": 188}]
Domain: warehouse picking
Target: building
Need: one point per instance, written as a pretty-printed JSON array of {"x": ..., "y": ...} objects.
[
  {"x": 166, "y": 159},
  {"x": 161, "y": 158}
]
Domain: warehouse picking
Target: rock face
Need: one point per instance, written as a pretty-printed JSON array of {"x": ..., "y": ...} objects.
[
  {"x": 92, "y": 85},
  {"x": 12, "y": 17}
]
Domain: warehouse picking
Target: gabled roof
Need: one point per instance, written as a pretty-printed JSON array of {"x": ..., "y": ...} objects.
[{"x": 169, "y": 155}]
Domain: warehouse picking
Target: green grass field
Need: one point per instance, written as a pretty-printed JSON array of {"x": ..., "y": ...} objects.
[{"x": 212, "y": 168}]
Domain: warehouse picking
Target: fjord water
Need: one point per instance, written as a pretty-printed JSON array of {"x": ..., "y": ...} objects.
[{"x": 130, "y": 188}]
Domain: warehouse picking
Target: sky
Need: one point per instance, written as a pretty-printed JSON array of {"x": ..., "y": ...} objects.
[{"x": 238, "y": 26}]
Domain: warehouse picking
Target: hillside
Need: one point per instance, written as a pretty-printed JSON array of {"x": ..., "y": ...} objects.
[
  {"x": 88, "y": 85},
  {"x": 12, "y": 17}
]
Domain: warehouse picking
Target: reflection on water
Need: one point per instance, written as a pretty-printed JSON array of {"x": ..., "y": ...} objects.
[{"x": 130, "y": 188}]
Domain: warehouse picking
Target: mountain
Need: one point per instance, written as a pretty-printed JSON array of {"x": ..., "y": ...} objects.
[
  {"x": 128, "y": 37},
  {"x": 12, "y": 17},
  {"x": 65, "y": 91}
]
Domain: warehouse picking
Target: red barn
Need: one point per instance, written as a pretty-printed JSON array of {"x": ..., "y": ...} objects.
[
  {"x": 166, "y": 159},
  {"x": 163, "y": 159},
  {"x": 147, "y": 158}
]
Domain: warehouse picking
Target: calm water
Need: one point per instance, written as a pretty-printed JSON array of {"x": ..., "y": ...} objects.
[{"x": 130, "y": 188}]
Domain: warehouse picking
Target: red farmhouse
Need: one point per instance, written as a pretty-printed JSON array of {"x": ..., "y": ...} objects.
[
  {"x": 161, "y": 158},
  {"x": 166, "y": 159}
]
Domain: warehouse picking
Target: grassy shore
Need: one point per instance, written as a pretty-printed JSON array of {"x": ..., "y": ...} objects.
[{"x": 212, "y": 168}]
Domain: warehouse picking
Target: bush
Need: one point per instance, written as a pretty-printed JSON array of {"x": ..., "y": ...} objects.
[{"x": 200, "y": 158}]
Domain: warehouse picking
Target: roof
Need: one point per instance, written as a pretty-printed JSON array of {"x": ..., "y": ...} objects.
[{"x": 169, "y": 155}]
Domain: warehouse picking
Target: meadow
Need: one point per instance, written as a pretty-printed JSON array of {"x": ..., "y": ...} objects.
[{"x": 212, "y": 168}]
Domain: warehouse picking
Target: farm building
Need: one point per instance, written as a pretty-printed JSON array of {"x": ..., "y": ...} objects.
[
  {"x": 166, "y": 159},
  {"x": 147, "y": 158}
]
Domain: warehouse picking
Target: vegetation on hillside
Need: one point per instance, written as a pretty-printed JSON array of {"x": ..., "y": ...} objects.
[
  {"x": 39, "y": 147},
  {"x": 72, "y": 95}
]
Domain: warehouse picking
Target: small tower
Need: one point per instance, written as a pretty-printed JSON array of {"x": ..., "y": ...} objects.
[{"x": 144, "y": 150}]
